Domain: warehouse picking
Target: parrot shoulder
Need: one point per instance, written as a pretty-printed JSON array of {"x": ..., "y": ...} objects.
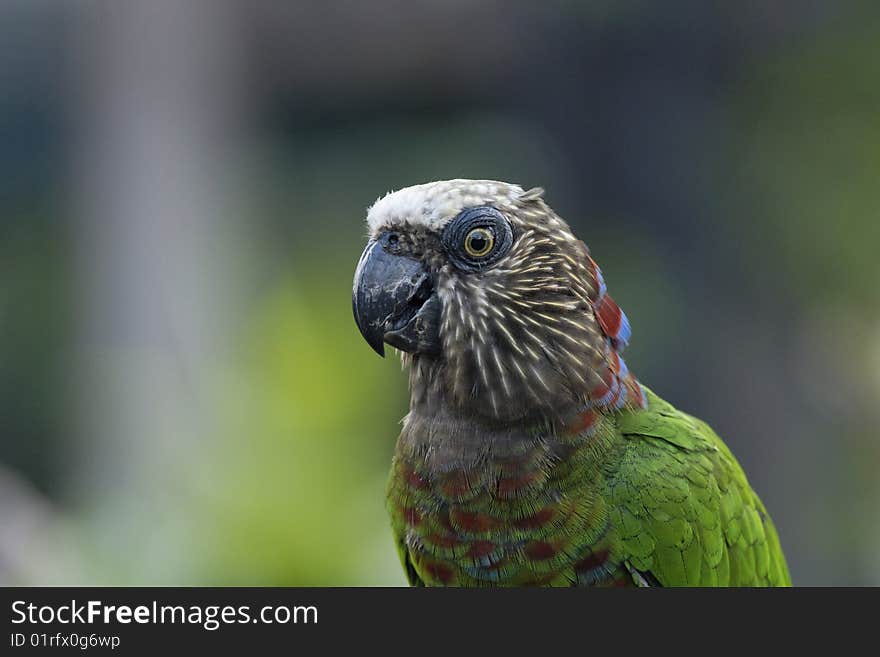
[
  {"x": 663, "y": 421},
  {"x": 683, "y": 509}
]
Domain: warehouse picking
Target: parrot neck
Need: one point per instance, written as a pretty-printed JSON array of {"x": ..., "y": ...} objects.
[
  {"x": 618, "y": 389},
  {"x": 444, "y": 440},
  {"x": 432, "y": 398}
]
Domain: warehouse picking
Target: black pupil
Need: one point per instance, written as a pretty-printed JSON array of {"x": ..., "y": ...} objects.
[{"x": 479, "y": 241}]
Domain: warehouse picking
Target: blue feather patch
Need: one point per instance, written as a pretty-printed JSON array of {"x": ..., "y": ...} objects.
[{"x": 624, "y": 333}]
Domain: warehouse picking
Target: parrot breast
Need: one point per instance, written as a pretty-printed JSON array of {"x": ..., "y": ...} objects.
[{"x": 530, "y": 511}]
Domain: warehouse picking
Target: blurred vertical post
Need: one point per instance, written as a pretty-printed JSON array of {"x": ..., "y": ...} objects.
[{"x": 160, "y": 108}]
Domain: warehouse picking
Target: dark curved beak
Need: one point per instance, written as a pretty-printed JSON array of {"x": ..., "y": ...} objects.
[{"x": 394, "y": 301}]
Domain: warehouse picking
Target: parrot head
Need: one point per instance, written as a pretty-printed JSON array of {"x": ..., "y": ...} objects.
[{"x": 496, "y": 306}]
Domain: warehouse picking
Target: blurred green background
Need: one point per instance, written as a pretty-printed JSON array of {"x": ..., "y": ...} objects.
[{"x": 184, "y": 396}]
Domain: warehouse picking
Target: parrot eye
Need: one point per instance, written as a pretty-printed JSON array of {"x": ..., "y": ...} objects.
[
  {"x": 477, "y": 238},
  {"x": 479, "y": 242}
]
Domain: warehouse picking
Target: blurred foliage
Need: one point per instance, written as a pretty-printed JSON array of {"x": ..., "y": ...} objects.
[
  {"x": 35, "y": 320},
  {"x": 286, "y": 485},
  {"x": 811, "y": 148},
  {"x": 308, "y": 440}
]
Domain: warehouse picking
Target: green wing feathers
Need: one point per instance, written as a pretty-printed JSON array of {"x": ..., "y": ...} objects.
[{"x": 684, "y": 511}]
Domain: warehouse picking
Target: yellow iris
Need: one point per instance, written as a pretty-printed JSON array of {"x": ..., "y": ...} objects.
[{"x": 479, "y": 242}]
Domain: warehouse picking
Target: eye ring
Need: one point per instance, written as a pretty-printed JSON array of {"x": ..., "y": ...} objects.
[
  {"x": 479, "y": 242},
  {"x": 473, "y": 255}
]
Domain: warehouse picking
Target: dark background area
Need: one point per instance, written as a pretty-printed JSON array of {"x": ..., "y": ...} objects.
[{"x": 184, "y": 396}]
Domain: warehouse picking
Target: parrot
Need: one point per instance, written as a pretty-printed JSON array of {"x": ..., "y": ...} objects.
[{"x": 531, "y": 455}]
